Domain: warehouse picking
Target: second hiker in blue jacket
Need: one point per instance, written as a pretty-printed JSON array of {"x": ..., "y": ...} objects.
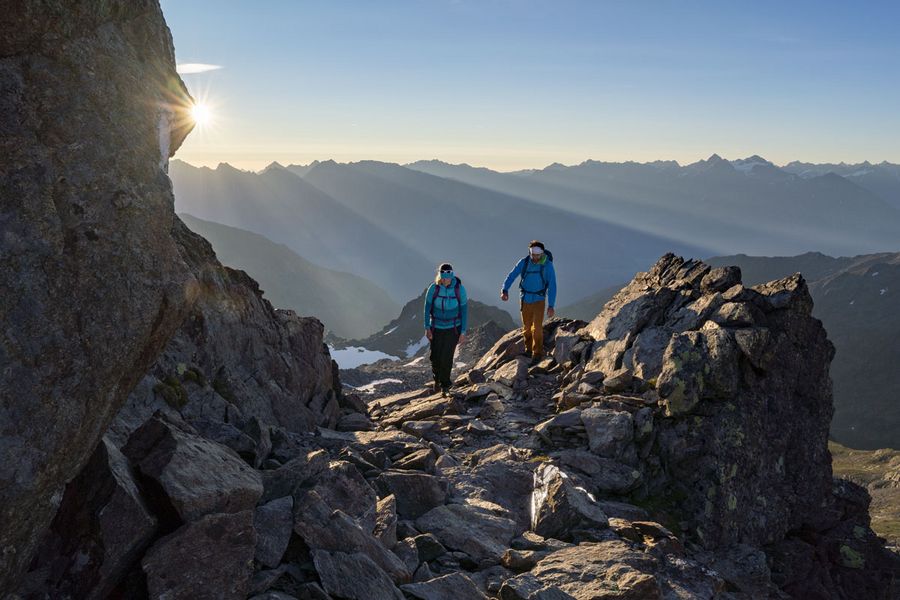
[
  {"x": 446, "y": 319},
  {"x": 537, "y": 289}
]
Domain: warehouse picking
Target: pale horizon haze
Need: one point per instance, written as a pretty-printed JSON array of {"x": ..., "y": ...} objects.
[{"x": 522, "y": 84}]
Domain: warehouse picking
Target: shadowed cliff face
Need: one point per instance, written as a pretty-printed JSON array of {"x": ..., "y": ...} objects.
[{"x": 91, "y": 282}]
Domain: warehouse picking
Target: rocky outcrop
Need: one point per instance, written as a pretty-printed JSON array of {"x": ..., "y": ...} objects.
[
  {"x": 236, "y": 362},
  {"x": 92, "y": 285},
  {"x": 742, "y": 377}
]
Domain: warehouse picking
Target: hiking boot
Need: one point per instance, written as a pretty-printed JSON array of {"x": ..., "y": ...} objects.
[
  {"x": 527, "y": 354},
  {"x": 435, "y": 387},
  {"x": 536, "y": 359},
  {"x": 445, "y": 392}
]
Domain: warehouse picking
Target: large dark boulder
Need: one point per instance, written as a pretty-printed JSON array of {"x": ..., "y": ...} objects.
[
  {"x": 102, "y": 527},
  {"x": 92, "y": 284},
  {"x": 210, "y": 558},
  {"x": 197, "y": 476}
]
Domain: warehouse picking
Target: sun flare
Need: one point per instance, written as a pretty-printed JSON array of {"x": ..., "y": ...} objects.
[{"x": 201, "y": 114}]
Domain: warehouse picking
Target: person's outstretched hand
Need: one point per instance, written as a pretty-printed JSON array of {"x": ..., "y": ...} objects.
[
  {"x": 462, "y": 338},
  {"x": 551, "y": 311},
  {"x": 428, "y": 334},
  {"x": 504, "y": 296}
]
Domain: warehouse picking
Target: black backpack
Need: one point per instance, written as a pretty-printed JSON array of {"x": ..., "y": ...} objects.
[
  {"x": 543, "y": 279},
  {"x": 458, "y": 300}
]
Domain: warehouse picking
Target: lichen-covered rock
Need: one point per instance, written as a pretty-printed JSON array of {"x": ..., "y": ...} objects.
[
  {"x": 92, "y": 284},
  {"x": 743, "y": 378},
  {"x": 609, "y": 431}
]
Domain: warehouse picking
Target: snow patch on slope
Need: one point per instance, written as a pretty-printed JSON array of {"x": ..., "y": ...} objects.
[{"x": 354, "y": 356}]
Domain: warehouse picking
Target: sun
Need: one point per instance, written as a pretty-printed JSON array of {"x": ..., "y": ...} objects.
[{"x": 201, "y": 114}]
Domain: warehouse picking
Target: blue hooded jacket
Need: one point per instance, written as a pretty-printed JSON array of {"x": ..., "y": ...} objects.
[
  {"x": 532, "y": 284},
  {"x": 447, "y": 313}
]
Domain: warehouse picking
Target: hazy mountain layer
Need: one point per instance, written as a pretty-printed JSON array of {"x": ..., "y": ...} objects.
[
  {"x": 287, "y": 210},
  {"x": 747, "y": 205},
  {"x": 393, "y": 225},
  {"x": 882, "y": 179},
  {"x": 347, "y": 304}
]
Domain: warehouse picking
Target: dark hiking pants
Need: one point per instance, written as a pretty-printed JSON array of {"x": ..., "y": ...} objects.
[{"x": 443, "y": 345}]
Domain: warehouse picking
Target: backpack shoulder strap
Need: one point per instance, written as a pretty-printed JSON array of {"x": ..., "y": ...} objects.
[
  {"x": 434, "y": 296},
  {"x": 523, "y": 272},
  {"x": 458, "y": 300}
]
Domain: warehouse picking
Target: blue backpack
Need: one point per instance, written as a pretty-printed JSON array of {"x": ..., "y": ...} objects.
[
  {"x": 458, "y": 302},
  {"x": 543, "y": 291}
]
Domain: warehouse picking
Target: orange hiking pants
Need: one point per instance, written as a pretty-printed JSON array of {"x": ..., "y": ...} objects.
[{"x": 533, "y": 326}]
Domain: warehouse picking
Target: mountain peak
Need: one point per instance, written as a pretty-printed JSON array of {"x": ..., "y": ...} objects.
[
  {"x": 756, "y": 158},
  {"x": 274, "y": 165},
  {"x": 224, "y": 167}
]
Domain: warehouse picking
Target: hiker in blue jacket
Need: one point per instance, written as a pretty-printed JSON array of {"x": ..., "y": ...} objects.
[
  {"x": 446, "y": 318},
  {"x": 537, "y": 288}
]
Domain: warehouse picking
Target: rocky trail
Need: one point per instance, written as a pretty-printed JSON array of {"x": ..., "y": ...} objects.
[{"x": 675, "y": 447}]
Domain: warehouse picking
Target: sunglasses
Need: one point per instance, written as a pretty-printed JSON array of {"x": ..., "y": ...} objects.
[{"x": 446, "y": 272}]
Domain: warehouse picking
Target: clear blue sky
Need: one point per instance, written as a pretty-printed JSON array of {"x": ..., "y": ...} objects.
[{"x": 512, "y": 84}]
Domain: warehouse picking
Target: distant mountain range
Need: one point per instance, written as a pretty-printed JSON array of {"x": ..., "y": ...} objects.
[
  {"x": 347, "y": 304},
  {"x": 882, "y": 179},
  {"x": 743, "y": 206},
  {"x": 393, "y": 225}
]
